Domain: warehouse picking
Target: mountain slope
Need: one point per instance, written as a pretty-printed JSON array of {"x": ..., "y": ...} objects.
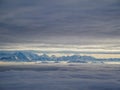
[
  {"x": 26, "y": 56},
  {"x": 18, "y": 56}
]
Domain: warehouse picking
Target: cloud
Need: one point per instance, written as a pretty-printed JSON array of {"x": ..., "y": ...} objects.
[
  {"x": 59, "y": 77},
  {"x": 63, "y": 22}
]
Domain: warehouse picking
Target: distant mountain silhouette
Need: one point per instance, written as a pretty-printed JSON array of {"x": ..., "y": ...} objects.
[{"x": 25, "y": 56}]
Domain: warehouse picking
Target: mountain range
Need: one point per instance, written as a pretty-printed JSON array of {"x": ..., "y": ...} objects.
[{"x": 26, "y": 56}]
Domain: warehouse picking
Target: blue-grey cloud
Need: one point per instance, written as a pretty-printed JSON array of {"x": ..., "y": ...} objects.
[
  {"x": 60, "y": 77},
  {"x": 59, "y": 21}
]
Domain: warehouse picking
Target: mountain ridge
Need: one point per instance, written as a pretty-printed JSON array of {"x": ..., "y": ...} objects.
[{"x": 26, "y": 56}]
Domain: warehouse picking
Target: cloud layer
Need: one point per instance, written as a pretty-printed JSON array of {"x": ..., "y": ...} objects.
[
  {"x": 59, "y": 21},
  {"x": 60, "y": 77}
]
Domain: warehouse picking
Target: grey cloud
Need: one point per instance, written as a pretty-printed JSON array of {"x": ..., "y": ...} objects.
[
  {"x": 56, "y": 21},
  {"x": 60, "y": 77}
]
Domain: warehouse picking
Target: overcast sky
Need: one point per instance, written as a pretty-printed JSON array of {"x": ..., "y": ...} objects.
[{"x": 50, "y": 23}]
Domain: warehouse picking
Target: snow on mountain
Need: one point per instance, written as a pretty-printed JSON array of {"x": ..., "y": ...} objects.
[
  {"x": 27, "y": 56},
  {"x": 18, "y": 56}
]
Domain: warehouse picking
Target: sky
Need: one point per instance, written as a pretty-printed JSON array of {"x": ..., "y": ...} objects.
[{"x": 84, "y": 26}]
